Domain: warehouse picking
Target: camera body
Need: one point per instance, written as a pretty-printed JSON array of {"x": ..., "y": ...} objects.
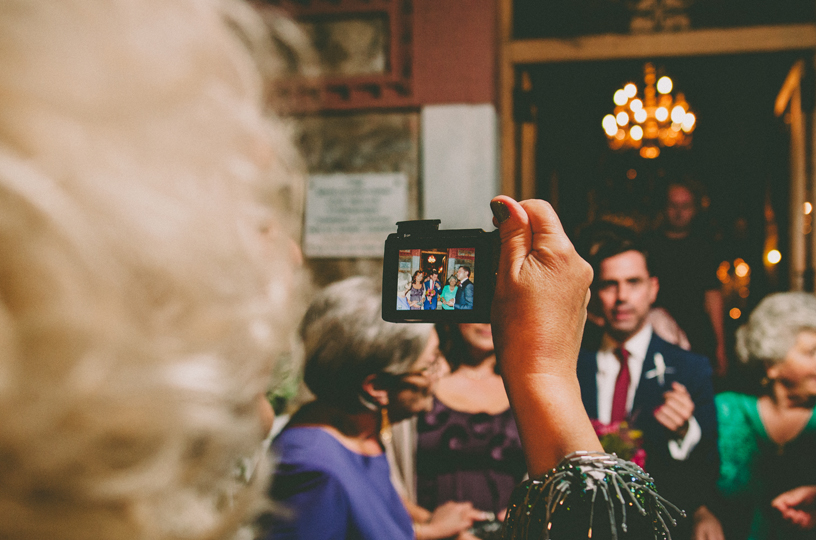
[{"x": 464, "y": 263}]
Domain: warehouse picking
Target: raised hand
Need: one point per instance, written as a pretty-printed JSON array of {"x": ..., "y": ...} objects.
[
  {"x": 676, "y": 410},
  {"x": 538, "y": 315}
]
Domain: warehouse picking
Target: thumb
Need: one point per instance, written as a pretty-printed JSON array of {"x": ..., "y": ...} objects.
[{"x": 514, "y": 231}]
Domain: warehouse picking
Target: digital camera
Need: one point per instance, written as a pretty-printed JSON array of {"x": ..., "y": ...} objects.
[{"x": 432, "y": 275}]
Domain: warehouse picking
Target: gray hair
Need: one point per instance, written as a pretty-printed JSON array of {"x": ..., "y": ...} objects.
[
  {"x": 345, "y": 340},
  {"x": 139, "y": 311},
  {"x": 773, "y": 326}
]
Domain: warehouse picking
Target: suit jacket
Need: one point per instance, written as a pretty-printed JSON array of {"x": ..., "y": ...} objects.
[
  {"x": 464, "y": 295},
  {"x": 688, "y": 483}
]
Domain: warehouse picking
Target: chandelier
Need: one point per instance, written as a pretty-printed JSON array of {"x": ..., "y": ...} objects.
[{"x": 649, "y": 123}]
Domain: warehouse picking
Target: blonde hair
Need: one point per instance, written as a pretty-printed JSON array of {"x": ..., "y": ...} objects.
[{"x": 140, "y": 308}]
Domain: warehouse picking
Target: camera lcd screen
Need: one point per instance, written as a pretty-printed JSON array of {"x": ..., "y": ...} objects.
[{"x": 436, "y": 279}]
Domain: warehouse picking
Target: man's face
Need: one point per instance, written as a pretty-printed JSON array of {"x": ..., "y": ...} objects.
[
  {"x": 680, "y": 208},
  {"x": 626, "y": 293},
  {"x": 461, "y": 274}
]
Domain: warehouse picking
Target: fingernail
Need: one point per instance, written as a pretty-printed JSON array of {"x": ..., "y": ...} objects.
[{"x": 500, "y": 211}]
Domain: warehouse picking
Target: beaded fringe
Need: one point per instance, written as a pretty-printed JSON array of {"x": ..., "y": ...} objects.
[{"x": 578, "y": 480}]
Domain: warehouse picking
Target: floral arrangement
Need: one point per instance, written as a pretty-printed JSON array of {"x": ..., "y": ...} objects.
[{"x": 619, "y": 439}]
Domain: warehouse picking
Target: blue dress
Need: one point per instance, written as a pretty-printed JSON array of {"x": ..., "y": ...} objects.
[{"x": 332, "y": 492}]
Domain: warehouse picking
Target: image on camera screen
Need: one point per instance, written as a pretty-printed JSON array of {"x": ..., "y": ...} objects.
[{"x": 436, "y": 279}]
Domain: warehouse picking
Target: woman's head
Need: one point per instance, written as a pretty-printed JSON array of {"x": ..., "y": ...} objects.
[
  {"x": 138, "y": 317},
  {"x": 781, "y": 335},
  {"x": 346, "y": 342},
  {"x": 465, "y": 343},
  {"x": 418, "y": 277},
  {"x": 773, "y": 326},
  {"x": 452, "y": 281}
]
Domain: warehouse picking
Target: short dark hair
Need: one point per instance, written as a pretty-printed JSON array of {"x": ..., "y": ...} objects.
[
  {"x": 614, "y": 243},
  {"x": 466, "y": 269}
]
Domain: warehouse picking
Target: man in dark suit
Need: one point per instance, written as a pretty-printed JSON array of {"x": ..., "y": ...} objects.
[
  {"x": 464, "y": 294},
  {"x": 654, "y": 386}
]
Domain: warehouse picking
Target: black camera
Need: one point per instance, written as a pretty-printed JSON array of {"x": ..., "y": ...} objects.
[{"x": 439, "y": 276}]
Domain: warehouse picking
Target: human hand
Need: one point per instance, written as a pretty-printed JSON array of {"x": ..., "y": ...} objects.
[
  {"x": 676, "y": 410},
  {"x": 706, "y": 526},
  {"x": 538, "y": 315},
  {"x": 542, "y": 290},
  {"x": 798, "y": 506},
  {"x": 449, "y": 519}
]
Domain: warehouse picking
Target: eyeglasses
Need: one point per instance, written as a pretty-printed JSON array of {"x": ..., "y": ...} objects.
[{"x": 430, "y": 371}]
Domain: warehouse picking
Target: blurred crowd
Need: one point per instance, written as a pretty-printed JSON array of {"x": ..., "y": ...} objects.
[{"x": 152, "y": 297}]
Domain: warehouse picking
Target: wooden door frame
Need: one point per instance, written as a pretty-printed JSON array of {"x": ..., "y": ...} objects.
[{"x": 514, "y": 53}]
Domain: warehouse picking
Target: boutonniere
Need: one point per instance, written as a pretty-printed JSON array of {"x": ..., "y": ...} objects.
[{"x": 659, "y": 370}]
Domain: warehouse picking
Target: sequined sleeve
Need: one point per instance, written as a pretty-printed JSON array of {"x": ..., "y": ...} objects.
[{"x": 590, "y": 495}]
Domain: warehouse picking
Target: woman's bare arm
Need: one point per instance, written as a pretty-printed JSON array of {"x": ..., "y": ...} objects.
[{"x": 539, "y": 309}]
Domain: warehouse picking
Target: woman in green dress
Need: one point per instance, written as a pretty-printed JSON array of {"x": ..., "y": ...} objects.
[
  {"x": 449, "y": 292},
  {"x": 768, "y": 442}
]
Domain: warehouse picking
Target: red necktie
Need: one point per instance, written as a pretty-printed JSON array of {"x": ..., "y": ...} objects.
[{"x": 621, "y": 387}]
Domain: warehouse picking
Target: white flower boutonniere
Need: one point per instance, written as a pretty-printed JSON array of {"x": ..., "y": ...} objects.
[{"x": 660, "y": 370}]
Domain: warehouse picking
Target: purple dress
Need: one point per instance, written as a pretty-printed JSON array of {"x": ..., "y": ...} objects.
[
  {"x": 416, "y": 295},
  {"x": 467, "y": 457},
  {"x": 328, "y": 492}
]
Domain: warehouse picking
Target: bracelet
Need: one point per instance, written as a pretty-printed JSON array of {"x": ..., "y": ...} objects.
[{"x": 573, "y": 487}]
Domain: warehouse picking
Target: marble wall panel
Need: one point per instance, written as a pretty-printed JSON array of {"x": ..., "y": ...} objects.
[{"x": 360, "y": 143}]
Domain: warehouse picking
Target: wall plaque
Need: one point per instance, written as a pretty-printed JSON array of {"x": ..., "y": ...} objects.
[{"x": 350, "y": 215}]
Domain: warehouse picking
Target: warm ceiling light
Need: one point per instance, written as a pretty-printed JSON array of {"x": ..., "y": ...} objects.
[
  {"x": 650, "y": 120},
  {"x": 610, "y": 125},
  {"x": 662, "y": 113},
  {"x": 688, "y": 122},
  {"x": 773, "y": 256}
]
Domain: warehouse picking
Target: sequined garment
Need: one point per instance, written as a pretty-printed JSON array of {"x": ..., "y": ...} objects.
[
  {"x": 590, "y": 495},
  {"x": 755, "y": 469}
]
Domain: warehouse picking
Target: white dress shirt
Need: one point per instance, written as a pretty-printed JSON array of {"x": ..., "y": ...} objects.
[{"x": 608, "y": 368}]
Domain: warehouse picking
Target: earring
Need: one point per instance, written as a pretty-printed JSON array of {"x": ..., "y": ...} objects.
[{"x": 385, "y": 426}]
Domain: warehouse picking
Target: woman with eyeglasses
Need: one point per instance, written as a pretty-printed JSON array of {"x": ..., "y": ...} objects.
[{"x": 333, "y": 478}]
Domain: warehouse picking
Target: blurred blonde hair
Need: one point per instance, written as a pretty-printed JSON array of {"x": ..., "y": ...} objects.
[{"x": 140, "y": 308}]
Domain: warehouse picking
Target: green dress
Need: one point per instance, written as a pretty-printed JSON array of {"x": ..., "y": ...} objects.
[{"x": 754, "y": 470}]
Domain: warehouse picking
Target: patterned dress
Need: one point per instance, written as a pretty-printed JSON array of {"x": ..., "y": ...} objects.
[{"x": 467, "y": 457}]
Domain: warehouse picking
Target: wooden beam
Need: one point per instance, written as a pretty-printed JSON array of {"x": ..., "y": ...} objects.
[
  {"x": 692, "y": 43},
  {"x": 792, "y": 82},
  {"x": 797, "y": 192}
]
